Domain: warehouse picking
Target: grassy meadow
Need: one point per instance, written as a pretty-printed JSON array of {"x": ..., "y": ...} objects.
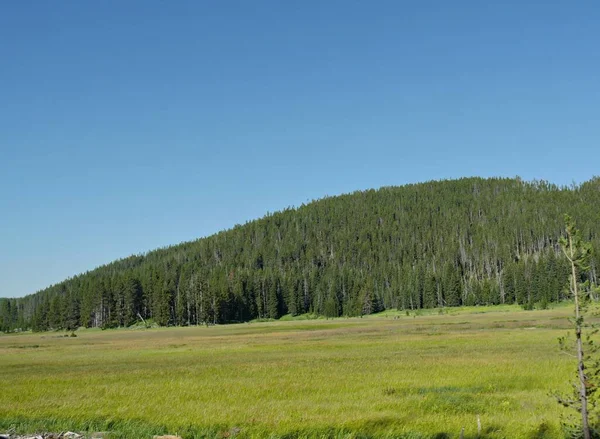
[{"x": 388, "y": 375}]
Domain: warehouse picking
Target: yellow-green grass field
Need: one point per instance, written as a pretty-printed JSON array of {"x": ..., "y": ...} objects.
[{"x": 388, "y": 375}]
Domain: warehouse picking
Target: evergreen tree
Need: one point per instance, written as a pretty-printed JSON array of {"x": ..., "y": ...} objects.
[
  {"x": 578, "y": 252},
  {"x": 467, "y": 241},
  {"x": 429, "y": 291}
]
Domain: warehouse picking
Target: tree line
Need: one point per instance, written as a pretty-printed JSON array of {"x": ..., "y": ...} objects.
[{"x": 470, "y": 241}]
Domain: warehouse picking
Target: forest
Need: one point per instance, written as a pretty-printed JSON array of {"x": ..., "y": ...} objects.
[{"x": 471, "y": 241}]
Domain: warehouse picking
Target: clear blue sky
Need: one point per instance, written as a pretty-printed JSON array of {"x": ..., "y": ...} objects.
[{"x": 125, "y": 126}]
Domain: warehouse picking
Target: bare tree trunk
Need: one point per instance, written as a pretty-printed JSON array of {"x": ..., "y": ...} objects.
[{"x": 138, "y": 314}]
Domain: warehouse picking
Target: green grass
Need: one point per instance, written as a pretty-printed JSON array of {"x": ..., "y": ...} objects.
[{"x": 383, "y": 376}]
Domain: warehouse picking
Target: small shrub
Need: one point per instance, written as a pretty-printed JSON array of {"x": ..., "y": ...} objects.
[
  {"x": 389, "y": 391},
  {"x": 527, "y": 306},
  {"x": 542, "y": 304}
]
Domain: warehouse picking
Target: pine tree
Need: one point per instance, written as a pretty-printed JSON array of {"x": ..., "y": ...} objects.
[
  {"x": 452, "y": 287},
  {"x": 72, "y": 315},
  {"x": 272, "y": 298},
  {"x": 429, "y": 291},
  {"x": 578, "y": 253},
  {"x": 55, "y": 320},
  {"x": 133, "y": 294},
  {"x": 448, "y": 243},
  {"x": 5, "y": 313}
]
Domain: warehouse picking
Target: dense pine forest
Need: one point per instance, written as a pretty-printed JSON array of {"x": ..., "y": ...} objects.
[{"x": 471, "y": 241}]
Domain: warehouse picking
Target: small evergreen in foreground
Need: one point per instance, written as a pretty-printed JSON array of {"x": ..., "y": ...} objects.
[{"x": 578, "y": 253}]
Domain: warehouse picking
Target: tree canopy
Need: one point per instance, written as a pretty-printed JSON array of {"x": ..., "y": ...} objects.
[{"x": 441, "y": 243}]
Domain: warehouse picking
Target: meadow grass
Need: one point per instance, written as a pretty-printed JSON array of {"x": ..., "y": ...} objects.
[{"x": 382, "y": 376}]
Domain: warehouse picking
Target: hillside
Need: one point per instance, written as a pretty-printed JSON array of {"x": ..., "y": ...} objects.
[{"x": 442, "y": 243}]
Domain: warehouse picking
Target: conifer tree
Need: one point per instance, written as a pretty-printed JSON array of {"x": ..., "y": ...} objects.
[
  {"x": 436, "y": 243},
  {"x": 578, "y": 253}
]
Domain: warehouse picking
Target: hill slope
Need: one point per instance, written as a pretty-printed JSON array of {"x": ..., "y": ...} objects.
[{"x": 441, "y": 243}]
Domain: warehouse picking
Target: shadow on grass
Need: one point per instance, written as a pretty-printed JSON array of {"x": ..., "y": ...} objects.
[{"x": 379, "y": 428}]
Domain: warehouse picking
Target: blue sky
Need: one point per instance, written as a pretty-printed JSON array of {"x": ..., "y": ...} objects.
[{"x": 126, "y": 126}]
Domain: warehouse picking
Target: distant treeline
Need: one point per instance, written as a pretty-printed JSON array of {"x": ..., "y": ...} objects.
[{"x": 442, "y": 243}]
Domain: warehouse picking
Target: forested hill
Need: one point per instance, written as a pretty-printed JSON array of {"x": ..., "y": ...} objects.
[{"x": 441, "y": 243}]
